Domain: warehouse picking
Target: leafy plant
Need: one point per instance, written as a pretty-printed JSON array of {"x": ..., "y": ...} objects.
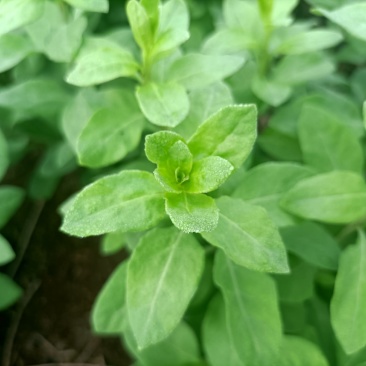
[{"x": 222, "y": 147}]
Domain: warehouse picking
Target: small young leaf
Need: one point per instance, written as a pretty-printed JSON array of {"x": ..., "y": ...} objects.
[
  {"x": 327, "y": 144},
  {"x": 248, "y": 237},
  {"x": 13, "y": 49},
  {"x": 109, "y": 314},
  {"x": 163, "y": 104},
  {"x": 10, "y": 292},
  {"x": 207, "y": 175},
  {"x": 17, "y": 13},
  {"x": 197, "y": 71},
  {"x": 348, "y": 305},
  {"x": 112, "y": 243},
  {"x": 101, "y": 60},
  {"x": 6, "y": 251},
  {"x": 192, "y": 212},
  {"x": 230, "y": 134},
  {"x": 312, "y": 243},
  {"x": 10, "y": 198},
  {"x": 337, "y": 197},
  {"x": 99, "y": 6},
  {"x": 251, "y": 311},
  {"x": 163, "y": 275},
  {"x": 351, "y": 17},
  {"x": 265, "y": 184},
  {"x": 128, "y": 201}
]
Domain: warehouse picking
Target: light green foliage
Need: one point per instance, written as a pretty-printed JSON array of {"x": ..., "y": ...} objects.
[
  {"x": 248, "y": 236},
  {"x": 130, "y": 200},
  {"x": 17, "y": 13},
  {"x": 10, "y": 200},
  {"x": 351, "y": 17},
  {"x": 336, "y": 197},
  {"x": 192, "y": 212},
  {"x": 163, "y": 275},
  {"x": 112, "y": 243},
  {"x": 163, "y": 104},
  {"x": 10, "y": 292},
  {"x": 109, "y": 314},
  {"x": 312, "y": 243},
  {"x": 265, "y": 185},
  {"x": 327, "y": 144},
  {"x": 251, "y": 311},
  {"x": 348, "y": 305},
  {"x": 13, "y": 49},
  {"x": 99, "y": 6},
  {"x": 230, "y": 134},
  {"x": 101, "y": 60},
  {"x": 6, "y": 251}
]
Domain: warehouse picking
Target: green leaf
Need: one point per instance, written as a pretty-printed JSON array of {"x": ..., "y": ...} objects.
[
  {"x": 110, "y": 134},
  {"x": 99, "y": 6},
  {"x": 13, "y": 48},
  {"x": 327, "y": 144},
  {"x": 251, "y": 311},
  {"x": 179, "y": 348},
  {"x": 265, "y": 185},
  {"x": 4, "y": 155},
  {"x": 197, "y": 71},
  {"x": 54, "y": 36},
  {"x": 113, "y": 243},
  {"x": 128, "y": 201},
  {"x": 163, "y": 275},
  {"x": 230, "y": 134},
  {"x": 351, "y": 17},
  {"x": 312, "y": 243},
  {"x": 10, "y": 200},
  {"x": 313, "y": 66},
  {"x": 6, "y": 251},
  {"x": 266, "y": 7},
  {"x": 101, "y": 60},
  {"x": 337, "y": 197},
  {"x": 163, "y": 104},
  {"x": 192, "y": 213},
  {"x": 348, "y": 305},
  {"x": 109, "y": 314},
  {"x": 310, "y": 41},
  {"x": 10, "y": 292},
  {"x": 17, "y": 13},
  {"x": 248, "y": 237},
  {"x": 173, "y": 26},
  {"x": 300, "y": 352},
  {"x": 217, "y": 340},
  {"x": 207, "y": 175}
]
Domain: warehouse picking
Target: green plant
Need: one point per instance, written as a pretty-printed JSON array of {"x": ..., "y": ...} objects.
[{"x": 244, "y": 233}]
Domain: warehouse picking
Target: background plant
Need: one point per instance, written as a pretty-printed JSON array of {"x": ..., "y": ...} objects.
[{"x": 207, "y": 234}]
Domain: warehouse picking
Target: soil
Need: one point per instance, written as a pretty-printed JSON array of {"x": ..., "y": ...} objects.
[{"x": 61, "y": 276}]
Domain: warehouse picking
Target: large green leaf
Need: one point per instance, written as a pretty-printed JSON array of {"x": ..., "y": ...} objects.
[
  {"x": 192, "y": 212},
  {"x": 163, "y": 104},
  {"x": 101, "y": 60},
  {"x": 17, "y": 13},
  {"x": 248, "y": 236},
  {"x": 109, "y": 314},
  {"x": 217, "y": 341},
  {"x": 351, "y": 17},
  {"x": 10, "y": 292},
  {"x": 197, "y": 71},
  {"x": 327, "y": 144},
  {"x": 6, "y": 251},
  {"x": 265, "y": 184},
  {"x": 312, "y": 243},
  {"x": 252, "y": 312},
  {"x": 99, "y": 6},
  {"x": 128, "y": 201},
  {"x": 348, "y": 305},
  {"x": 163, "y": 275},
  {"x": 337, "y": 197},
  {"x": 230, "y": 133},
  {"x": 10, "y": 200}
]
